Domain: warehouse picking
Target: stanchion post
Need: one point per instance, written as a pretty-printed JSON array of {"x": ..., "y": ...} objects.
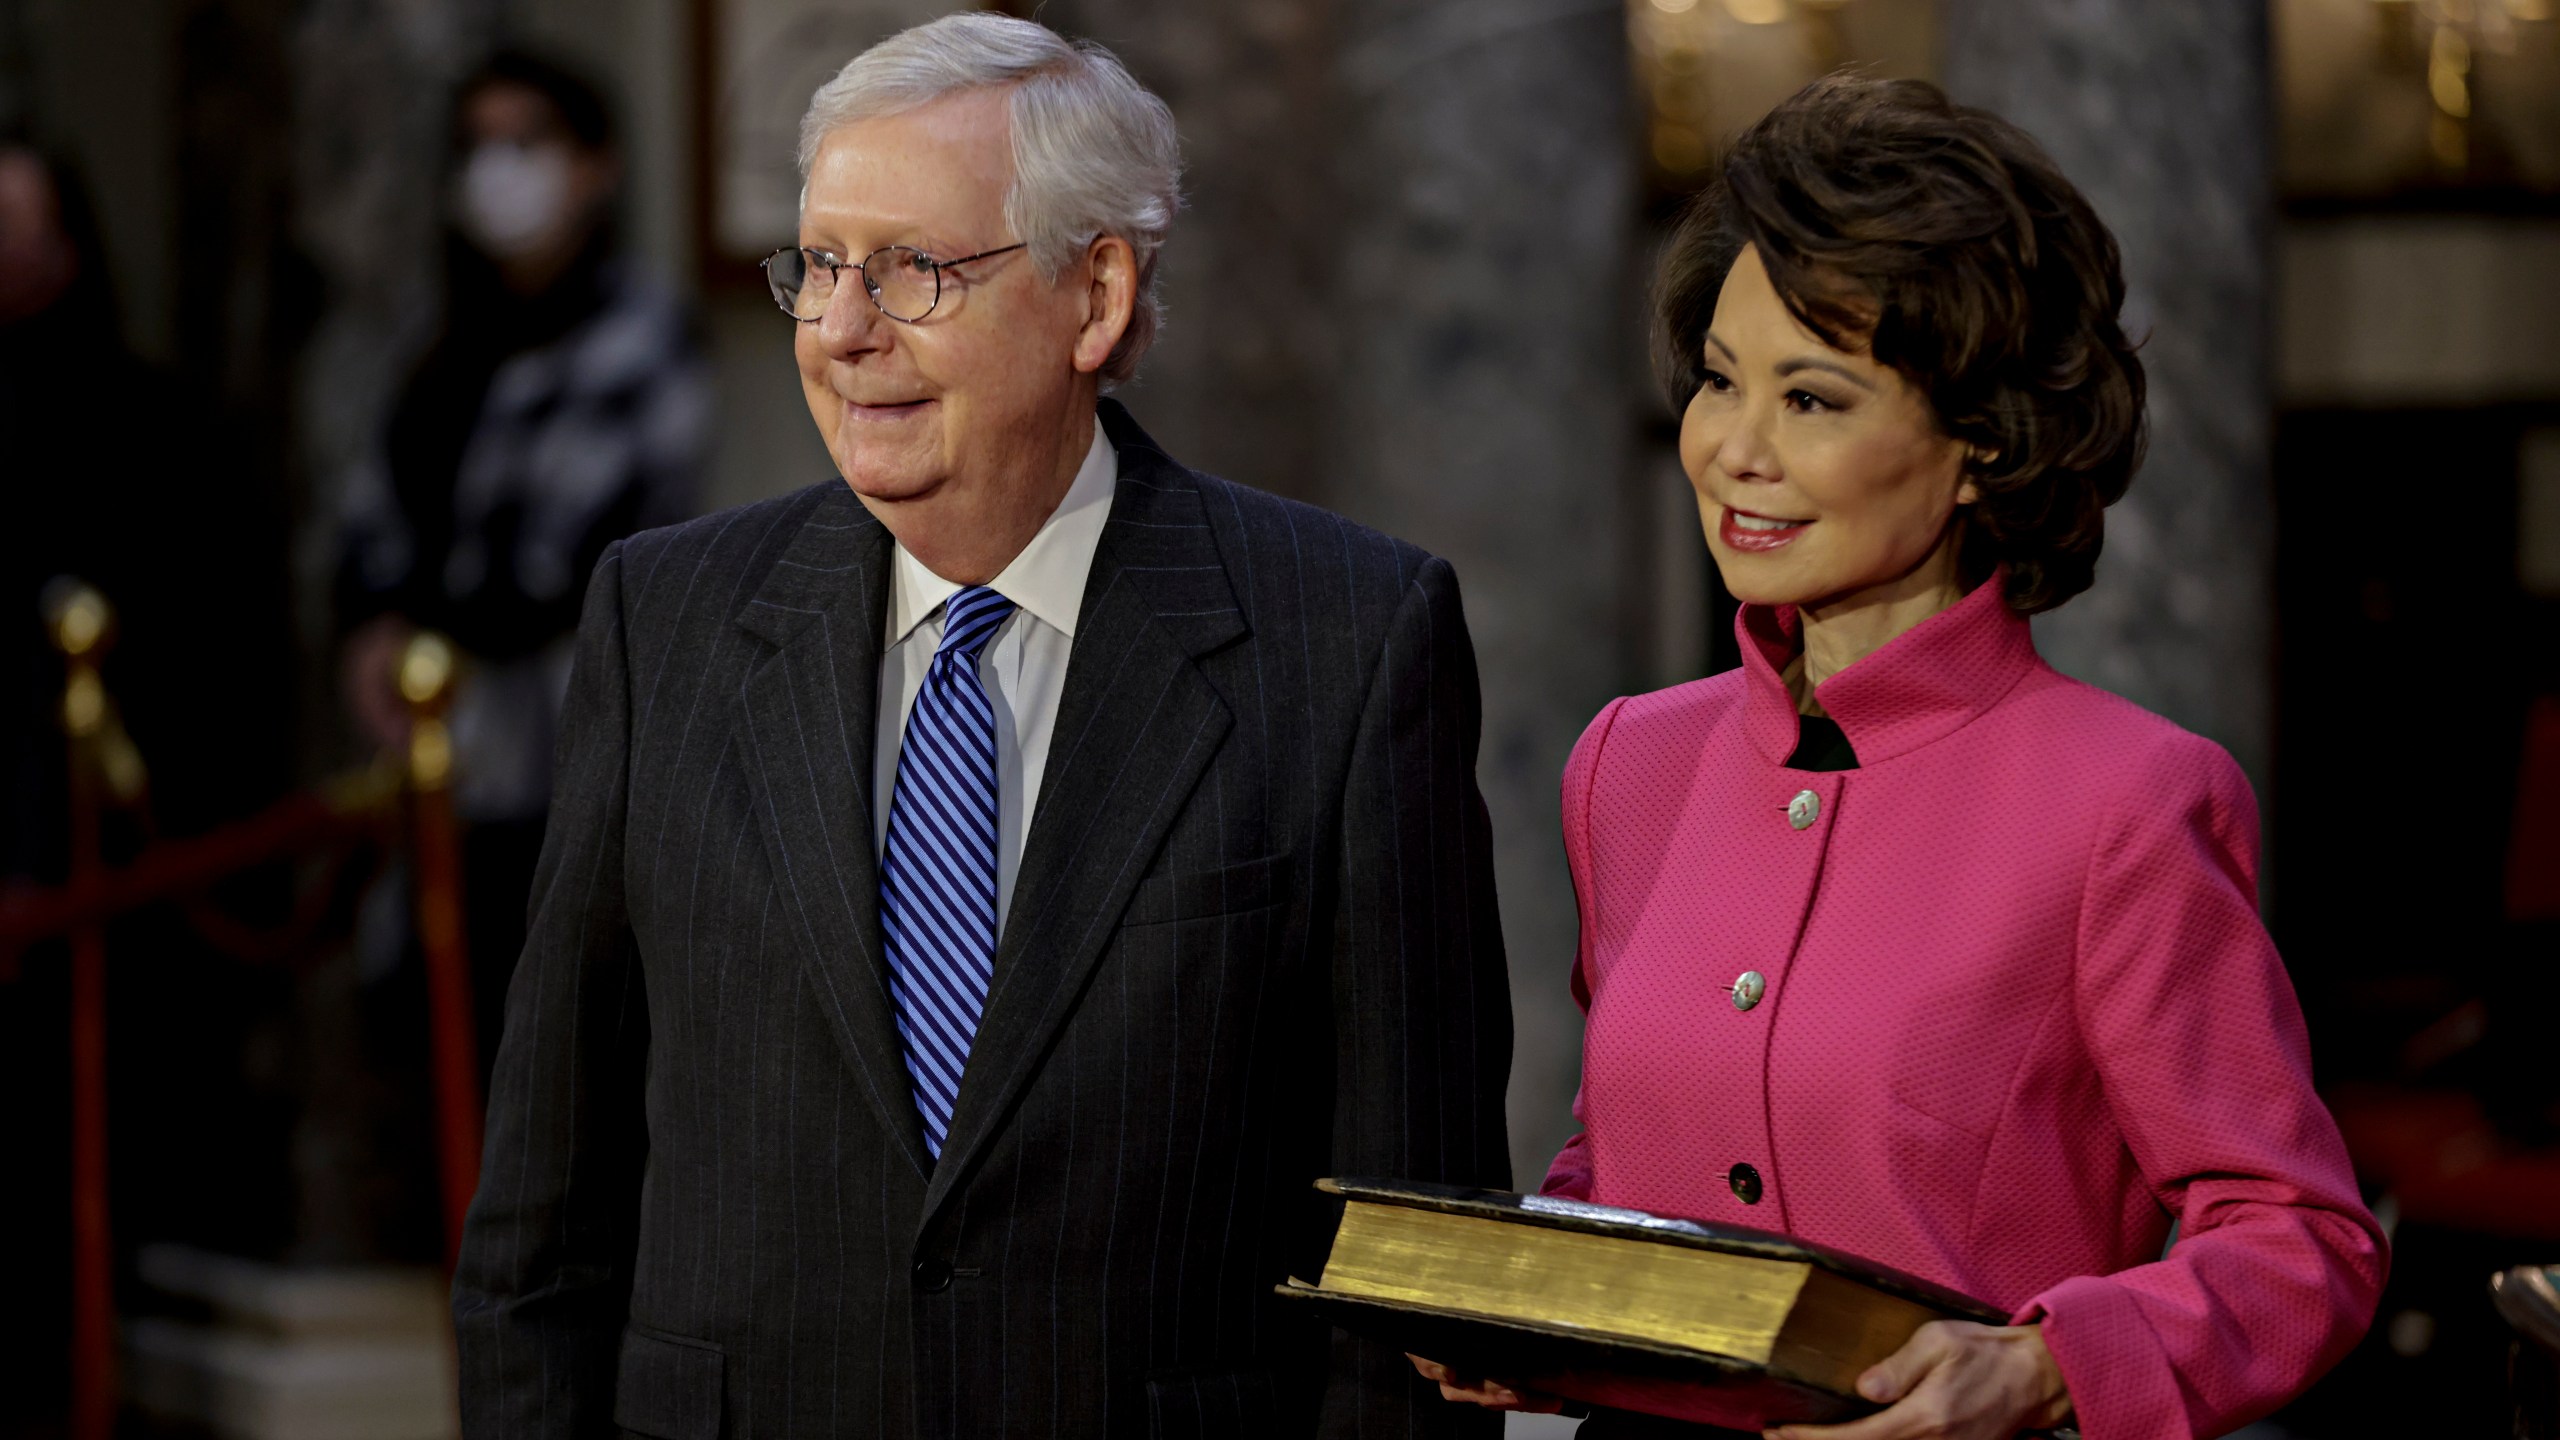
[
  {"x": 82, "y": 625},
  {"x": 426, "y": 683}
]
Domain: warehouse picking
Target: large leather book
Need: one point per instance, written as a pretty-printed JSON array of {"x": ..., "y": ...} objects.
[{"x": 1616, "y": 1307}]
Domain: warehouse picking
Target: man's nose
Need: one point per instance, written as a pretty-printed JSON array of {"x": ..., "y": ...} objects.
[{"x": 851, "y": 324}]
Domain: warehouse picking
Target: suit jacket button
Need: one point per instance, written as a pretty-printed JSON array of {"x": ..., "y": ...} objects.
[
  {"x": 932, "y": 1277},
  {"x": 1746, "y": 1184},
  {"x": 1748, "y": 989},
  {"x": 1804, "y": 809}
]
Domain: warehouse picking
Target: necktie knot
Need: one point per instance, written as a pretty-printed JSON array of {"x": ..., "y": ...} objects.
[{"x": 969, "y": 621}]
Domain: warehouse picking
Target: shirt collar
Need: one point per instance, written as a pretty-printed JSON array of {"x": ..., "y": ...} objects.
[
  {"x": 1047, "y": 578},
  {"x": 1929, "y": 682}
]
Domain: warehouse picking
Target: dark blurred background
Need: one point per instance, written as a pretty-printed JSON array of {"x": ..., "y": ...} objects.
[{"x": 327, "y": 322}]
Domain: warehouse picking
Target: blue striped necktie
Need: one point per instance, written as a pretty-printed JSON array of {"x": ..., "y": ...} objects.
[{"x": 938, "y": 873}]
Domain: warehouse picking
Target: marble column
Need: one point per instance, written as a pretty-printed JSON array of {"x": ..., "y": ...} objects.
[
  {"x": 2160, "y": 114},
  {"x": 1486, "y": 409},
  {"x": 373, "y": 85},
  {"x": 1405, "y": 290},
  {"x": 1243, "y": 376}
]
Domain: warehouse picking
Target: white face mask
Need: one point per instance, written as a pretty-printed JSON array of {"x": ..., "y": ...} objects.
[{"x": 510, "y": 199}]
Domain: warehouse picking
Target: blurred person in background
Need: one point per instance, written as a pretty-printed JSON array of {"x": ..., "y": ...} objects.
[
  {"x": 62, "y": 365},
  {"x": 119, "y": 473},
  {"x": 562, "y": 406},
  {"x": 160, "y": 517}
]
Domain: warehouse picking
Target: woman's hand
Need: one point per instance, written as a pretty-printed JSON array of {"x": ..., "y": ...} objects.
[
  {"x": 369, "y": 675},
  {"x": 1491, "y": 1394},
  {"x": 1955, "y": 1381}
]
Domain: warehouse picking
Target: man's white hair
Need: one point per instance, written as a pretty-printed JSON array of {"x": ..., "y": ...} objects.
[{"x": 1094, "y": 152}]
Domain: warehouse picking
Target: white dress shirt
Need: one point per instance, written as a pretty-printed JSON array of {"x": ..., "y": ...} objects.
[{"x": 1024, "y": 669}]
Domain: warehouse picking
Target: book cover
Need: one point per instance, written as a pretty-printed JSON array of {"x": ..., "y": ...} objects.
[{"x": 1616, "y": 1307}]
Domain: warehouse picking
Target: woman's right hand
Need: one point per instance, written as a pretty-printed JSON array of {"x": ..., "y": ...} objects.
[{"x": 1491, "y": 1394}]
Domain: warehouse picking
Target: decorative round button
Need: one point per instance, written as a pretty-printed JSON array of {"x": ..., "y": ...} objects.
[
  {"x": 1748, "y": 989},
  {"x": 1804, "y": 809},
  {"x": 1746, "y": 1184},
  {"x": 932, "y": 1277}
]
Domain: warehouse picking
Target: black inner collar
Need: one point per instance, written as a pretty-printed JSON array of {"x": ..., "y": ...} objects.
[{"x": 1821, "y": 745}]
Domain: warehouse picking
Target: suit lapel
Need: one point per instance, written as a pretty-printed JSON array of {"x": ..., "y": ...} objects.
[
  {"x": 1136, "y": 728},
  {"x": 807, "y": 712}
]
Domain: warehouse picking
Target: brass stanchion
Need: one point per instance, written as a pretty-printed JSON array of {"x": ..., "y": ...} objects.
[
  {"x": 426, "y": 682},
  {"x": 82, "y": 626}
]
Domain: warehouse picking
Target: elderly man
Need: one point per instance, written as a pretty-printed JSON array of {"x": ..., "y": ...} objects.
[{"x": 984, "y": 892}]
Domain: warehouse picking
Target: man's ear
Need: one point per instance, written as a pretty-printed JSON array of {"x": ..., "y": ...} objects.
[{"x": 1110, "y": 298}]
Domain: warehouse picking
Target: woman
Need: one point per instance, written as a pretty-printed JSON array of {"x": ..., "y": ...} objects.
[
  {"x": 1895, "y": 939},
  {"x": 562, "y": 406}
]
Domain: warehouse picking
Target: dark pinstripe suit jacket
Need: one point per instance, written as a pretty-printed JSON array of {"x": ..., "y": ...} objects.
[{"x": 1253, "y": 942}]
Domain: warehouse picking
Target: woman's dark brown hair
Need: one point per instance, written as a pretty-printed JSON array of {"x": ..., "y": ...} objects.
[{"x": 1947, "y": 243}]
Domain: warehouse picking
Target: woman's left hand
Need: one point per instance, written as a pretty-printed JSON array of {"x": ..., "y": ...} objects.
[{"x": 1956, "y": 1381}]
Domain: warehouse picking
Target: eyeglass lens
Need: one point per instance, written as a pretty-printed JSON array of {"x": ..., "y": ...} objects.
[{"x": 904, "y": 283}]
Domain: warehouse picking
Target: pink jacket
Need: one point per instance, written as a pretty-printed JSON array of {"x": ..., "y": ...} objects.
[{"x": 2016, "y": 1012}]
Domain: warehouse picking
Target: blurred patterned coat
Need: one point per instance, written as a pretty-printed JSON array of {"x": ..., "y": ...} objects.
[
  {"x": 535, "y": 433},
  {"x": 2012, "y": 1012}
]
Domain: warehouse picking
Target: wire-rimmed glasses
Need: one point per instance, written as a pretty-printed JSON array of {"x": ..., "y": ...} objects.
[{"x": 903, "y": 281}]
